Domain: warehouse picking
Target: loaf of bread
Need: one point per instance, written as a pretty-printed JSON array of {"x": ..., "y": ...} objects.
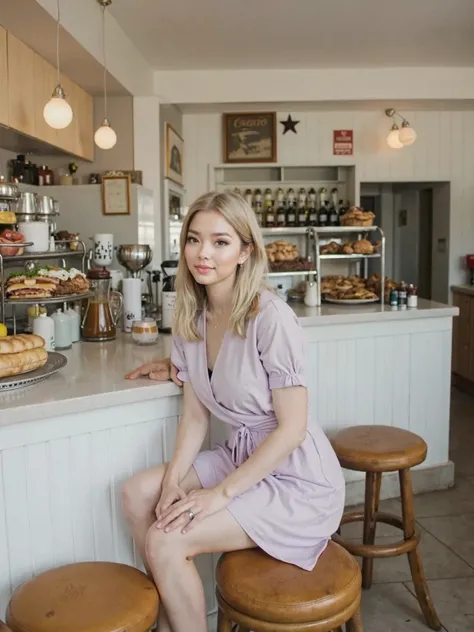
[
  {"x": 22, "y": 362},
  {"x": 21, "y": 342}
]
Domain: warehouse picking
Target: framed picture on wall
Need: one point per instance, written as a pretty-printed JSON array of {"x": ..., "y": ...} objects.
[
  {"x": 174, "y": 155},
  {"x": 116, "y": 195},
  {"x": 250, "y": 137}
]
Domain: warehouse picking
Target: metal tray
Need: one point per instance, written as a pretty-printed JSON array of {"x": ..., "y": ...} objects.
[
  {"x": 67, "y": 298},
  {"x": 348, "y": 301},
  {"x": 54, "y": 363}
]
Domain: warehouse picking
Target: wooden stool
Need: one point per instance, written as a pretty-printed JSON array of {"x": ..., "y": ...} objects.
[
  {"x": 85, "y": 597},
  {"x": 374, "y": 450},
  {"x": 264, "y": 595}
]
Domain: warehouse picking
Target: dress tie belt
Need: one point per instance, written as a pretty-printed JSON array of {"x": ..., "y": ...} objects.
[{"x": 242, "y": 444}]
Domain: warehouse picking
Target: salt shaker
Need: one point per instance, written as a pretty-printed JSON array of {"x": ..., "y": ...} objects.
[
  {"x": 62, "y": 330},
  {"x": 311, "y": 294},
  {"x": 43, "y": 326},
  {"x": 75, "y": 323}
]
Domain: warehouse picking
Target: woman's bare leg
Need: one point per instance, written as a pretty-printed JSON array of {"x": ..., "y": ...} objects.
[
  {"x": 140, "y": 495},
  {"x": 170, "y": 558}
]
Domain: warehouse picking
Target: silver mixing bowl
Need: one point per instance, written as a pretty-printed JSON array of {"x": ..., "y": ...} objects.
[{"x": 134, "y": 257}]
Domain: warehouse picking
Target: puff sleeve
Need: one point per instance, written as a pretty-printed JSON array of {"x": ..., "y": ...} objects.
[
  {"x": 178, "y": 358},
  {"x": 281, "y": 345}
]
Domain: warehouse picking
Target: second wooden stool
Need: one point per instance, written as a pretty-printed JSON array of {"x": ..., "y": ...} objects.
[
  {"x": 265, "y": 595},
  {"x": 374, "y": 450},
  {"x": 85, "y": 597}
]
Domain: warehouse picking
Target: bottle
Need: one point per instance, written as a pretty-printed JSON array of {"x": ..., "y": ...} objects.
[
  {"x": 237, "y": 191},
  {"x": 311, "y": 294},
  {"x": 402, "y": 296},
  {"x": 302, "y": 198},
  {"x": 62, "y": 330},
  {"x": 312, "y": 212},
  {"x": 280, "y": 212},
  {"x": 75, "y": 323},
  {"x": 270, "y": 217},
  {"x": 302, "y": 218},
  {"x": 42, "y": 171},
  {"x": 259, "y": 212},
  {"x": 43, "y": 326},
  {"x": 323, "y": 217},
  {"x": 412, "y": 299},
  {"x": 333, "y": 212},
  {"x": 291, "y": 212},
  {"x": 248, "y": 197},
  {"x": 268, "y": 198}
]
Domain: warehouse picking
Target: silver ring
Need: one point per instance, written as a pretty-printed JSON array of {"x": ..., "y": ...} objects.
[{"x": 190, "y": 514}]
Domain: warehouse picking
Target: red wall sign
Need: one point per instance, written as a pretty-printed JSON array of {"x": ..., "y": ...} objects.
[{"x": 343, "y": 142}]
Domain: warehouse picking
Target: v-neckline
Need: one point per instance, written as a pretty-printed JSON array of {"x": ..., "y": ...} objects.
[{"x": 213, "y": 370}]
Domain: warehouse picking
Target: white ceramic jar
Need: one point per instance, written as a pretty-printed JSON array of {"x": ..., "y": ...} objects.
[
  {"x": 62, "y": 330},
  {"x": 43, "y": 326},
  {"x": 75, "y": 323}
]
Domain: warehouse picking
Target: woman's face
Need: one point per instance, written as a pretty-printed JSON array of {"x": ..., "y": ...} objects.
[{"x": 213, "y": 249}]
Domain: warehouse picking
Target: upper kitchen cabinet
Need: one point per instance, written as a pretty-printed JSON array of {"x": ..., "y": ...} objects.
[
  {"x": 45, "y": 81},
  {"x": 21, "y": 82},
  {"x": 3, "y": 77},
  {"x": 77, "y": 138}
]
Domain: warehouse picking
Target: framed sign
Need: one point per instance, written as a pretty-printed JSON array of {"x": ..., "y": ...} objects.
[
  {"x": 343, "y": 142},
  {"x": 116, "y": 195},
  {"x": 174, "y": 155},
  {"x": 250, "y": 137}
]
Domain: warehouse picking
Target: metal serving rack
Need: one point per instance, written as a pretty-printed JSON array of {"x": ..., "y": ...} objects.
[{"x": 33, "y": 257}]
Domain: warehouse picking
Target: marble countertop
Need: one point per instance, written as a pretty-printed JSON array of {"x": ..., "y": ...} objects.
[
  {"x": 94, "y": 375},
  {"x": 464, "y": 289},
  {"x": 331, "y": 314}
]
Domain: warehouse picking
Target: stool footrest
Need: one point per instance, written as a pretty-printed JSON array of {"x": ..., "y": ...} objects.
[{"x": 376, "y": 550}]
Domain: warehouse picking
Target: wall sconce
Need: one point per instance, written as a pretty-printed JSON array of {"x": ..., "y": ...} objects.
[{"x": 399, "y": 138}]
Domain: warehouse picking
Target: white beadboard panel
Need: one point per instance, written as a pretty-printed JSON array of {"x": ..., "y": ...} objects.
[
  {"x": 441, "y": 153},
  {"x": 60, "y": 499}
]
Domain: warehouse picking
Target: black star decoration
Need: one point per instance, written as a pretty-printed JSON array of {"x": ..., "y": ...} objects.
[{"x": 289, "y": 125}]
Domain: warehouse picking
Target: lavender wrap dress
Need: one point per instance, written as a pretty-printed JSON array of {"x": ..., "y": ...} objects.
[{"x": 291, "y": 513}]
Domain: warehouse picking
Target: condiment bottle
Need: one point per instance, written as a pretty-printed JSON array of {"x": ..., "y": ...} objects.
[
  {"x": 62, "y": 330},
  {"x": 311, "y": 294},
  {"x": 43, "y": 326},
  {"x": 412, "y": 299},
  {"x": 75, "y": 322}
]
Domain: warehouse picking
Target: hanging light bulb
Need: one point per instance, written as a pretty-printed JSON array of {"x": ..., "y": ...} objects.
[
  {"x": 407, "y": 134},
  {"x": 393, "y": 139},
  {"x": 105, "y": 137},
  {"x": 57, "y": 112}
]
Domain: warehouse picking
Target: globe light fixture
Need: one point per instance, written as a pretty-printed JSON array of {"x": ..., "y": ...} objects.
[
  {"x": 399, "y": 138},
  {"x": 105, "y": 137}
]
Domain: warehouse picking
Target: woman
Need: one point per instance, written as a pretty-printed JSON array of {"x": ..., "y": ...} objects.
[{"x": 239, "y": 351}]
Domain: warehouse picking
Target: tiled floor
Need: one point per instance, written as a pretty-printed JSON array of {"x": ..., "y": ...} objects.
[{"x": 446, "y": 520}]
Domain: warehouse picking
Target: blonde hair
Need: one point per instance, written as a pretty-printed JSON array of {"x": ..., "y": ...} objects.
[{"x": 191, "y": 297}]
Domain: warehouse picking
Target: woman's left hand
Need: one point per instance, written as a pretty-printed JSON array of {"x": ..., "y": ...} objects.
[{"x": 193, "y": 509}]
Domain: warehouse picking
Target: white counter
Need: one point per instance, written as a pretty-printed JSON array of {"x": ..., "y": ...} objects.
[{"x": 67, "y": 444}]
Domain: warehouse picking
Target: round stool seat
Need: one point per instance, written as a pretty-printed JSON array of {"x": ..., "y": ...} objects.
[
  {"x": 85, "y": 597},
  {"x": 255, "y": 584},
  {"x": 378, "y": 448}
]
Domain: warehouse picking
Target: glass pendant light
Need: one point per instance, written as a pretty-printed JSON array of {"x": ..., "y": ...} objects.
[
  {"x": 393, "y": 139},
  {"x": 57, "y": 112},
  {"x": 399, "y": 138},
  {"x": 407, "y": 134},
  {"x": 105, "y": 137}
]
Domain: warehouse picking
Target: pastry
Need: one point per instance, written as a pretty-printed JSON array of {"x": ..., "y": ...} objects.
[
  {"x": 356, "y": 216},
  {"x": 23, "y": 361},
  {"x": 20, "y": 342},
  {"x": 7, "y": 217}
]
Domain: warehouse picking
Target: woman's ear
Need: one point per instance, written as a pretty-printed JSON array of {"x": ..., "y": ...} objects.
[{"x": 245, "y": 254}]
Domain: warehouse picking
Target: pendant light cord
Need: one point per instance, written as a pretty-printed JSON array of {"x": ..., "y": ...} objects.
[
  {"x": 57, "y": 44},
  {"x": 105, "y": 61}
]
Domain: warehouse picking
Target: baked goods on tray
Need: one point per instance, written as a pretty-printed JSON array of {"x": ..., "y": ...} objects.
[
  {"x": 45, "y": 282},
  {"x": 359, "y": 247},
  {"x": 281, "y": 251},
  {"x": 21, "y": 354},
  {"x": 356, "y": 216},
  {"x": 12, "y": 241},
  {"x": 7, "y": 217},
  {"x": 355, "y": 287}
]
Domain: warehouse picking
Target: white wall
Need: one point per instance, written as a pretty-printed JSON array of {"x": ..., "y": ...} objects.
[{"x": 442, "y": 153}]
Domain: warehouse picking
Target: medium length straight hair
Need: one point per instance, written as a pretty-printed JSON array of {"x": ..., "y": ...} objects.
[{"x": 250, "y": 279}]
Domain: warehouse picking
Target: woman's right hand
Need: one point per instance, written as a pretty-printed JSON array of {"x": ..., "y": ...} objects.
[
  {"x": 169, "y": 495},
  {"x": 159, "y": 371}
]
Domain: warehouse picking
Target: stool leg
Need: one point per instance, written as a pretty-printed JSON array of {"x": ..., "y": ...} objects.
[
  {"x": 355, "y": 624},
  {"x": 373, "y": 482},
  {"x": 224, "y": 624},
  {"x": 414, "y": 558}
]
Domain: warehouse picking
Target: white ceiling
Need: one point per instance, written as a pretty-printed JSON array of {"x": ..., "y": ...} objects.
[{"x": 207, "y": 34}]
